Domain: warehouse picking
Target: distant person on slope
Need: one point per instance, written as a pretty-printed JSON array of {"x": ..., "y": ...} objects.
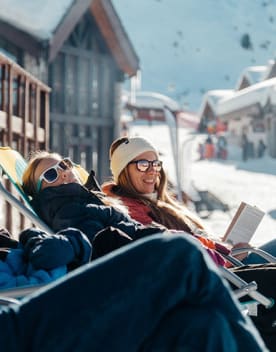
[{"x": 245, "y": 147}]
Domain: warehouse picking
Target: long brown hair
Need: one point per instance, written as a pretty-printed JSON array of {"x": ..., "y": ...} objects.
[{"x": 164, "y": 210}]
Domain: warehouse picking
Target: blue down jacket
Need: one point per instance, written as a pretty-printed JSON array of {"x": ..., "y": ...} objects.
[
  {"x": 41, "y": 258},
  {"x": 72, "y": 205},
  {"x": 16, "y": 271}
]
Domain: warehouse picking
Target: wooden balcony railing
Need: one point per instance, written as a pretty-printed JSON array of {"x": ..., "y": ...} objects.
[{"x": 24, "y": 115}]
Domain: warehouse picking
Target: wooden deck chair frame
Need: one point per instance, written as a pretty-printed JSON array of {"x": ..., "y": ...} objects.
[{"x": 13, "y": 165}]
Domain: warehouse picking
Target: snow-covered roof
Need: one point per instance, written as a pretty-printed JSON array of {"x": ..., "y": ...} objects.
[
  {"x": 257, "y": 93},
  {"x": 188, "y": 119},
  {"x": 212, "y": 97},
  {"x": 47, "y": 24},
  {"x": 256, "y": 73},
  {"x": 253, "y": 74},
  {"x": 39, "y": 18},
  {"x": 154, "y": 100}
]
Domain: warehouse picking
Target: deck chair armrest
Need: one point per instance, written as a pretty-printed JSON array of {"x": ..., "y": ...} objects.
[
  {"x": 241, "y": 284},
  {"x": 268, "y": 257}
]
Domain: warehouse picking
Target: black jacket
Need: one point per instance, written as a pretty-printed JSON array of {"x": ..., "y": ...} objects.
[{"x": 72, "y": 205}]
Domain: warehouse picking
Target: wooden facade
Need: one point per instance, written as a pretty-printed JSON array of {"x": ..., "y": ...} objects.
[
  {"x": 24, "y": 108},
  {"x": 24, "y": 115},
  {"x": 244, "y": 83},
  {"x": 83, "y": 107}
]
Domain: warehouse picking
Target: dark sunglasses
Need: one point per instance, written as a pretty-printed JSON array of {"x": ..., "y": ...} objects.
[
  {"x": 144, "y": 165},
  {"x": 50, "y": 175}
]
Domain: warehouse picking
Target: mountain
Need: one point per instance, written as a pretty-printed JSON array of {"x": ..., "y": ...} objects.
[{"x": 187, "y": 47}]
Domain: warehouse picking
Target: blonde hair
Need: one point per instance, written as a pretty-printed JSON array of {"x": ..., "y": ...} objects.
[
  {"x": 165, "y": 210},
  {"x": 30, "y": 183},
  {"x": 28, "y": 178}
]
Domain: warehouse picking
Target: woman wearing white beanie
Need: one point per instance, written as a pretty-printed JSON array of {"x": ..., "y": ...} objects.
[
  {"x": 139, "y": 179},
  {"x": 127, "y": 151},
  {"x": 141, "y": 183}
]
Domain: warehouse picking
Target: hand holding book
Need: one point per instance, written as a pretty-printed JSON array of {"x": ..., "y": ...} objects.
[{"x": 244, "y": 224}]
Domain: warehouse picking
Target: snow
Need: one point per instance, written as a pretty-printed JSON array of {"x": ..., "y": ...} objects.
[
  {"x": 39, "y": 18},
  {"x": 154, "y": 100},
  {"x": 255, "y": 73},
  {"x": 232, "y": 180},
  {"x": 212, "y": 97}
]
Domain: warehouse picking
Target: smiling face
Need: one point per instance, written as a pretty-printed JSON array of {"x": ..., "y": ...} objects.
[
  {"x": 143, "y": 182},
  {"x": 63, "y": 175}
]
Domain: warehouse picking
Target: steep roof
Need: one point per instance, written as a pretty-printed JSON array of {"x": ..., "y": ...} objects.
[
  {"x": 212, "y": 97},
  {"x": 36, "y": 24},
  {"x": 253, "y": 74}
]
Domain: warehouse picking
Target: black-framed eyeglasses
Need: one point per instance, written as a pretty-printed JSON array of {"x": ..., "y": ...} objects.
[
  {"x": 50, "y": 175},
  {"x": 144, "y": 165}
]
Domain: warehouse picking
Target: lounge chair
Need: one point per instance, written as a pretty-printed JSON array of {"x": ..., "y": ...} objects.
[{"x": 13, "y": 165}]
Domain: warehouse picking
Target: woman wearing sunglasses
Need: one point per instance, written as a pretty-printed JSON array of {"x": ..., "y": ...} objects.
[
  {"x": 140, "y": 182},
  {"x": 62, "y": 201}
]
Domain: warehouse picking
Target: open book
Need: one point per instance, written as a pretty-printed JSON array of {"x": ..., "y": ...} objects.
[{"x": 244, "y": 224}]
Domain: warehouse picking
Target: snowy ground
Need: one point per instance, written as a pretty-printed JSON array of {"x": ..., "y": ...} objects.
[{"x": 232, "y": 180}]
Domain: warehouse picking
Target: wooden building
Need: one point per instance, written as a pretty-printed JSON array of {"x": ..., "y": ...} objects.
[
  {"x": 209, "y": 120},
  {"x": 250, "y": 108},
  {"x": 80, "y": 49}
]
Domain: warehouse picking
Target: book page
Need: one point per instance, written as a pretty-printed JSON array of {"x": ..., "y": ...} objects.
[{"x": 244, "y": 224}]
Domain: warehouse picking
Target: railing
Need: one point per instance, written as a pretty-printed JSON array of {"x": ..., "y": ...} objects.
[{"x": 24, "y": 115}]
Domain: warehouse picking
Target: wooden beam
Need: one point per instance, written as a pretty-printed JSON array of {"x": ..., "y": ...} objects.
[
  {"x": 25, "y": 115},
  {"x": 66, "y": 26},
  {"x": 10, "y": 106},
  {"x": 116, "y": 38}
]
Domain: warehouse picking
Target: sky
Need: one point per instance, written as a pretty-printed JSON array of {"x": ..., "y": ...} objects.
[
  {"x": 187, "y": 47},
  {"x": 232, "y": 180}
]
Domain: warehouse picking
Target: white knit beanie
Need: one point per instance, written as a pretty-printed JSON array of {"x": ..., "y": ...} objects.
[{"x": 128, "y": 151}]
